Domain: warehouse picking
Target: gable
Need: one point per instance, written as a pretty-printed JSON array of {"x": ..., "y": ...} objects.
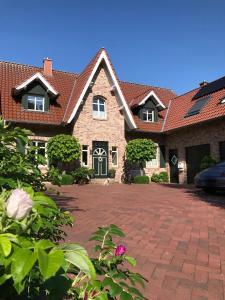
[{"x": 115, "y": 87}]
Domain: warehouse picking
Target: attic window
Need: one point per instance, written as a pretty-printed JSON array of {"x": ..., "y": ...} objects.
[
  {"x": 198, "y": 106},
  {"x": 222, "y": 100},
  {"x": 35, "y": 103}
]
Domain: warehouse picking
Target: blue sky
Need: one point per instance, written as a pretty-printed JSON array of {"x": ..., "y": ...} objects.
[{"x": 174, "y": 44}]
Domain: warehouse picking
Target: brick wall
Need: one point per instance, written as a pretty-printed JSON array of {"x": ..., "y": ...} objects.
[
  {"x": 111, "y": 130},
  {"x": 209, "y": 133}
]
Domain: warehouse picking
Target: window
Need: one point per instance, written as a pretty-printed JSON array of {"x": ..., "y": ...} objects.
[
  {"x": 36, "y": 103},
  {"x": 222, "y": 100},
  {"x": 84, "y": 155},
  {"x": 197, "y": 106},
  {"x": 40, "y": 148},
  {"x": 99, "y": 109},
  {"x": 115, "y": 156},
  {"x": 154, "y": 163},
  {"x": 148, "y": 115}
]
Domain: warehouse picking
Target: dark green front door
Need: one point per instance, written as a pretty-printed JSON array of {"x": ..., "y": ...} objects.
[
  {"x": 194, "y": 156},
  {"x": 100, "y": 159},
  {"x": 173, "y": 161}
]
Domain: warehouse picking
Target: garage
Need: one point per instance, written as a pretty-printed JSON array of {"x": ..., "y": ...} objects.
[{"x": 194, "y": 156}]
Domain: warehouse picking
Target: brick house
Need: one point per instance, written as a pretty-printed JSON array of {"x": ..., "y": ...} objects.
[{"x": 104, "y": 113}]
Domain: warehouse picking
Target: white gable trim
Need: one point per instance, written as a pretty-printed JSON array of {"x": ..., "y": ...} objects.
[
  {"x": 104, "y": 57},
  {"x": 42, "y": 79},
  {"x": 152, "y": 93}
]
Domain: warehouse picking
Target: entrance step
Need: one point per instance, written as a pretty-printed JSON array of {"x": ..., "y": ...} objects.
[{"x": 102, "y": 181}]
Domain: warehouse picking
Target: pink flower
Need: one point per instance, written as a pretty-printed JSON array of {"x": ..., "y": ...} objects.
[
  {"x": 18, "y": 205},
  {"x": 120, "y": 250}
]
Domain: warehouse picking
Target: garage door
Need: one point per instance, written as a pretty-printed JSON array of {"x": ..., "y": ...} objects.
[{"x": 194, "y": 156}]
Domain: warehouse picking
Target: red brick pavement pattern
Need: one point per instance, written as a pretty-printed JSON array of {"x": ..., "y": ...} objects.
[{"x": 175, "y": 233}]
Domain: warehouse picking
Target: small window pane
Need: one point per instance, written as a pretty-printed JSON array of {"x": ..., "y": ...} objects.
[
  {"x": 102, "y": 107},
  {"x": 31, "y": 104},
  {"x": 84, "y": 155},
  {"x": 41, "y": 151},
  {"x": 114, "y": 156},
  {"x": 39, "y": 104},
  {"x": 95, "y": 107}
]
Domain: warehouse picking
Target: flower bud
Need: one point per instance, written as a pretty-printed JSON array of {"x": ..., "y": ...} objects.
[
  {"x": 18, "y": 205},
  {"x": 120, "y": 250}
]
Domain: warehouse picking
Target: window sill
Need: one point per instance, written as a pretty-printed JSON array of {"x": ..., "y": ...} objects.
[
  {"x": 100, "y": 119},
  {"x": 36, "y": 111}
]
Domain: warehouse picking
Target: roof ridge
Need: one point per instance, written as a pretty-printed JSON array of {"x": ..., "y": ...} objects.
[
  {"x": 146, "y": 85},
  {"x": 36, "y": 67}
]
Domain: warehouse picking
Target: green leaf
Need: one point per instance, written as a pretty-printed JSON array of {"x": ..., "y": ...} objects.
[
  {"x": 102, "y": 296},
  {"x": 130, "y": 260},
  {"x": 50, "y": 263},
  {"x": 44, "y": 244},
  {"x": 5, "y": 245},
  {"x": 116, "y": 230},
  {"x": 4, "y": 278},
  {"x": 73, "y": 247},
  {"x": 22, "y": 262},
  {"x": 81, "y": 261},
  {"x": 135, "y": 291},
  {"x": 44, "y": 200},
  {"x": 125, "y": 296}
]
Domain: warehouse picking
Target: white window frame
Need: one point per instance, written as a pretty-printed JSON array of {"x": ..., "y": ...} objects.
[
  {"x": 84, "y": 150},
  {"x": 35, "y": 98},
  {"x": 222, "y": 101},
  {"x": 35, "y": 144},
  {"x": 117, "y": 156},
  {"x": 97, "y": 114},
  {"x": 154, "y": 163},
  {"x": 148, "y": 112}
]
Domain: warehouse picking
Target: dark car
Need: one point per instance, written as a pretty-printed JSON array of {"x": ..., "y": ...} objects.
[{"x": 211, "y": 179}]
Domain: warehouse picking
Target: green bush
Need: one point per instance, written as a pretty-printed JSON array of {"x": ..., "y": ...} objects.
[
  {"x": 82, "y": 175},
  {"x": 67, "y": 179},
  {"x": 63, "y": 148},
  {"x": 141, "y": 179},
  {"x": 207, "y": 162},
  {"x": 161, "y": 177},
  {"x": 112, "y": 173},
  {"x": 54, "y": 176},
  {"x": 140, "y": 150}
]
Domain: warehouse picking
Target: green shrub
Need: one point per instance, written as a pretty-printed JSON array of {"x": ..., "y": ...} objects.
[
  {"x": 112, "y": 173},
  {"x": 63, "y": 148},
  {"x": 140, "y": 150},
  {"x": 141, "y": 179},
  {"x": 67, "y": 179},
  {"x": 54, "y": 176},
  {"x": 207, "y": 162},
  {"x": 161, "y": 177},
  {"x": 82, "y": 175}
]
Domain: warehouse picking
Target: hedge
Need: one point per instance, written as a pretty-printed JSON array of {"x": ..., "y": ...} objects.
[{"x": 141, "y": 179}]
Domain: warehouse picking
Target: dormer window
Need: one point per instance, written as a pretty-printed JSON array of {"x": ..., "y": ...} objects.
[
  {"x": 35, "y": 103},
  {"x": 148, "y": 115},
  {"x": 99, "y": 108}
]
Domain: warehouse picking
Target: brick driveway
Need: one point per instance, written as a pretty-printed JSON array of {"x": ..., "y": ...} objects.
[{"x": 175, "y": 233}]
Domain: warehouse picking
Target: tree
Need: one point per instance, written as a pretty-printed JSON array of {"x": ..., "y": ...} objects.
[
  {"x": 139, "y": 151},
  {"x": 63, "y": 149}
]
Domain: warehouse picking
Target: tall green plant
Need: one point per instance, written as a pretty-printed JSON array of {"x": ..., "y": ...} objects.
[
  {"x": 139, "y": 151},
  {"x": 17, "y": 160},
  {"x": 63, "y": 148}
]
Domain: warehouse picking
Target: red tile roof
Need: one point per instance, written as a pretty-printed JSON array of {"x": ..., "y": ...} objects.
[
  {"x": 12, "y": 74},
  {"x": 180, "y": 106},
  {"x": 71, "y": 85}
]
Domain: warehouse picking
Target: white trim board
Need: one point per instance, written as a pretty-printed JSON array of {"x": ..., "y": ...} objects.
[
  {"x": 152, "y": 93},
  {"x": 42, "y": 79},
  {"x": 103, "y": 56}
]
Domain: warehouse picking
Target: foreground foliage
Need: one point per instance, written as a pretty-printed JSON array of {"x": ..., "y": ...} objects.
[{"x": 17, "y": 160}]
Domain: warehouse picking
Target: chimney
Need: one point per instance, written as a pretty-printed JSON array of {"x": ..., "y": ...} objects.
[
  {"x": 47, "y": 66},
  {"x": 203, "y": 83}
]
